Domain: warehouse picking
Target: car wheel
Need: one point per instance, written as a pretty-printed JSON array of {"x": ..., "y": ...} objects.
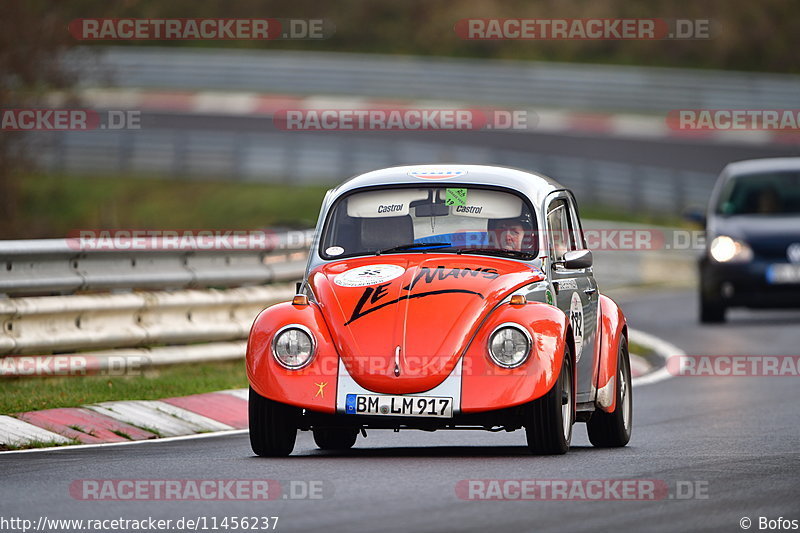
[
  {"x": 550, "y": 418},
  {"x": 610, "y": 430},
  {"x": 335, "y": 439},
  {"x": 712, "y": 308},
  {"x": 712, "y": 311},
  {"x": 273, "y": 426}
]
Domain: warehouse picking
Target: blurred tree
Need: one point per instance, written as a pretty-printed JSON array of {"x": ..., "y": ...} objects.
[
  {"x": 759, "y": 36},
  {"x": 32, "y": 38}
]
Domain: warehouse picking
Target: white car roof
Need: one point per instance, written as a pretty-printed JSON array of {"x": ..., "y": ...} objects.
[
  {"x": 755, "y": 166},
  {"x": 533, "y": 185}
]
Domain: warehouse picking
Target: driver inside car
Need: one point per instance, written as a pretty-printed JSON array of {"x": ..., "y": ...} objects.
[{"x": 511, "y": 233}]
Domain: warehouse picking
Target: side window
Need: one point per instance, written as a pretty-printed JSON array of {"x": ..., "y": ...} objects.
[
  {"x": 560, "y": 234},
  {"x": 577, "y": 229}
]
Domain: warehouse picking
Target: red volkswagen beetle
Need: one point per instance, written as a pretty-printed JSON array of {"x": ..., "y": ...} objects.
[{"x": 443, "y": 297}]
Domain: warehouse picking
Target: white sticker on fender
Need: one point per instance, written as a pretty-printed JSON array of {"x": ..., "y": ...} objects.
[
  {"x": 576, "y": 321},
  {"x": 368, "y": 275}
]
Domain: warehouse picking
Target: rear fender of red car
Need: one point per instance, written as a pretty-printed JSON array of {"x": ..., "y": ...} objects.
[{"x": 613, "y": 328}]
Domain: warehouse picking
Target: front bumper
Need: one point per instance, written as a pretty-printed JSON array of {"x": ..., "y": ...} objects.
[
  {"x": 507, "y": 419},
  {"x": 746, "y": 285}
]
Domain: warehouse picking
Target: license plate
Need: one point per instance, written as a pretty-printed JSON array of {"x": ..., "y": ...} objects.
[
  {"x": 377, "y": 404},
  {"x": 778, "y": 274}
]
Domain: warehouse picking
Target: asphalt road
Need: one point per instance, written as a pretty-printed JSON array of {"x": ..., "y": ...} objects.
[{"x": 733, "y": 439}]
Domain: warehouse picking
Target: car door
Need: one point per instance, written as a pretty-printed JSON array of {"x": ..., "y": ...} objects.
[
  {"x": 589, "y": 295},
  {"x": 576, "y": 292}
]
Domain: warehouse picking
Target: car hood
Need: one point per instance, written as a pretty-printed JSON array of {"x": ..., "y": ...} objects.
[
  {"x": 401, "y": 322},
  {"x": 768, "y": 236}
]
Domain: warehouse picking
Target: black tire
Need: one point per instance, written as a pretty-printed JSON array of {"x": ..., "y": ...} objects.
[
  {"x": 335, "y": 439},
  {"x": 546, "y": 430},
  {"x": 712, "y": 308},
  {"x": 712, "y": 311},
  {"x": 273, "y": 426},
  {"x": 613, "y": 430}
]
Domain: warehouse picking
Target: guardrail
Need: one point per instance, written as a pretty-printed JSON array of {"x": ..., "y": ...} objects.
[
  {"x": 58, "y": 324},
  {"x": 113, "y": 330},
  {"x": 119, "y": 307},
  {"x": 493, "y": 82},
  {"x": 61, "y": 266}
]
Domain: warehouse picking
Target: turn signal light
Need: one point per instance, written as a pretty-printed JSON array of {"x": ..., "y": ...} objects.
[
  {"x": 518, "y": 299},
  {"x": 300, "y": 299}
]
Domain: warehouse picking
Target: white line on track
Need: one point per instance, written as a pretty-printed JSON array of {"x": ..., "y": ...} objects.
[
  {"x": 128, "y": 443},
  {"x": 662, "y": 348}
]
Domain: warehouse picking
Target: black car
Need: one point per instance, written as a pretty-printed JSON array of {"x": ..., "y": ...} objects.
[{"x": 752, "y": 254}]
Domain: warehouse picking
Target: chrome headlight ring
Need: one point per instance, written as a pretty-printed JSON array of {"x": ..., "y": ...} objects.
[
  {"x": 294, "y": 341},
  {"x": 509, "y": 345}
]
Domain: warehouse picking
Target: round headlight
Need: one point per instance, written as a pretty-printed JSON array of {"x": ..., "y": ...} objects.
[
  {"x": 509, "y": 345},
  {"x": 725, "y": 249},
  {"x": 293, "y": 346}
]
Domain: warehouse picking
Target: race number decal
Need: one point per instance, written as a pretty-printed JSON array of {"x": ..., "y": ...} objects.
[
  {"x": 576, "y": 321},
  {"x": 368, "y": 275}
]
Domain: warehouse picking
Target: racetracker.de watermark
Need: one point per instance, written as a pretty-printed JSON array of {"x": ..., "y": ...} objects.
[
  {"x": 199, "y": 489},
  {"x": 734, "y": 120},
  {"x": 169, "y": 240},
  {"x": 579, "y": 490},
  {"x": 611, "y": 29},
  {"x": 194, "y": 29},
  {"x": 734, "y": 365},
  {"x": 606, "y": 239},
  {"x": 39, "y": 119},
  {"x": 404, "y": 119},
  {"x": 75, "y": 365}
]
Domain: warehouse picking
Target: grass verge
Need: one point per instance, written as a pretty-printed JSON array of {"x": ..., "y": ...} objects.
[
  {"x": 646, "y": 353},
  {"x": 32, "y": 394},
  {"x": 35, "y": 444},
  {"x": 52, "y": 206}
]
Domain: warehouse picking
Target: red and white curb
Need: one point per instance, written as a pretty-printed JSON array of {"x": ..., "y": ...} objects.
[
  {"x": 128, "y": 421},
  {"x": 195, "y": 416},
  {"x": 548, "y": 120},
  {"x": 18, "y": 433},
  {"x": 163, "y": 418}
]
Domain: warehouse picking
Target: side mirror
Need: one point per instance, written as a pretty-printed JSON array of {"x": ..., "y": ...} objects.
[
  {"x": 695, "y": 214},
  {"x": 576, "y": 259}
]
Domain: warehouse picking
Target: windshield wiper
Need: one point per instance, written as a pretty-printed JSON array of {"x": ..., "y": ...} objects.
[
  {"x": 414, "y": 246},
  {"x": 498, "y": 251}
]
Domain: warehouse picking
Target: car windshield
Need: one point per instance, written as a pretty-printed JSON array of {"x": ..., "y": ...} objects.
[
  {"x": 442, "y": 219},
  {"x": 776, "y": 193}
]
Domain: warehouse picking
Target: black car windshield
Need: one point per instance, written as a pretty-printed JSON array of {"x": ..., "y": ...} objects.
[
  {"x": 776, "y": 193},
  {"x": 450, "y": 219}
]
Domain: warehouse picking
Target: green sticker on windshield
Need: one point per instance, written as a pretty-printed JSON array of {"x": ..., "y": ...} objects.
[{"x": 455, "y": 197}]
